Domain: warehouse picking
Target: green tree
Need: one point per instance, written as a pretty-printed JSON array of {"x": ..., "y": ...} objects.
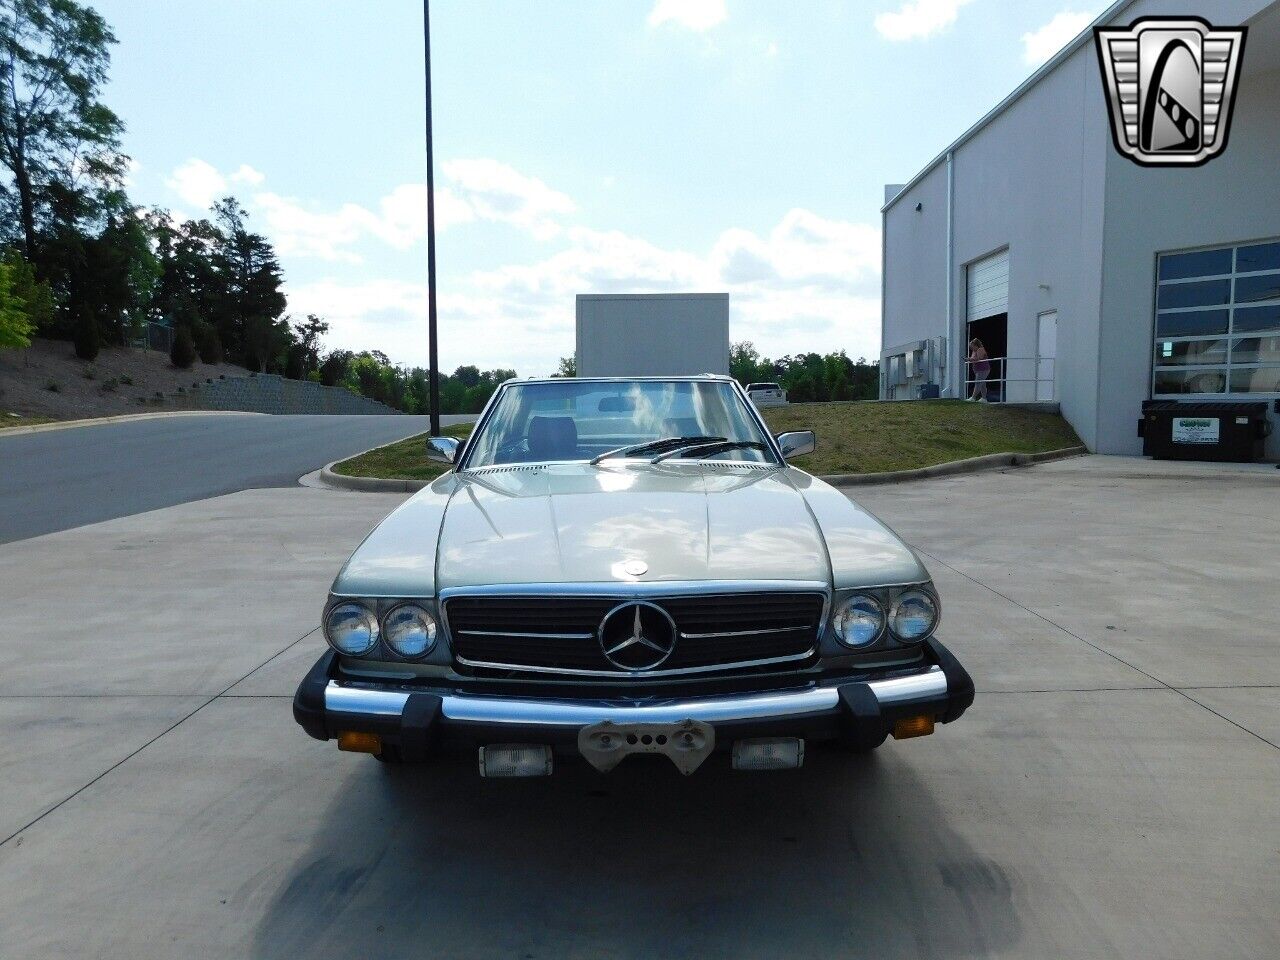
[
  {"x": 252, "y": 302},
  {"x": 31, "y": 297},
  {"x": 308, "y": 334},
  {"x": 746, "y": 365},
  {"x": 333, "y": 368},
  {"x": 800, "y": 388},
  {"x": 16, "y": 327},
  {"x": 183, "y": 352},
  {"x": 87, "y": 340},
  {"x": 54, "y": 131},
  {"x": 468, "y": 376},
  {"x": 568, "y": 367},
  {"x": 207, "y": 344}
]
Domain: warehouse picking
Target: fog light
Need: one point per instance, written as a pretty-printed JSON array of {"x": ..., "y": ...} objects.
[
  {"x": 515, "y": 760},
  {"x": 359, "y": 742},
  {"x": 774, "y": 753},
  {"x": 913, "y": 727}
]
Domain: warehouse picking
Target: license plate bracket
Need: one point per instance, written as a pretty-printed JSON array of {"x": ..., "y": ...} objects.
[{"x": 686, "y": 743}]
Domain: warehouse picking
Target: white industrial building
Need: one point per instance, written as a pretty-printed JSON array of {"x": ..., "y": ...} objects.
[
  {"x": 652, "y": 334},
  {"x": 1094, "y": 281}
]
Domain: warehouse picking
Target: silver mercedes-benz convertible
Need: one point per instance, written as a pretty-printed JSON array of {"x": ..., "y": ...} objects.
[{"x": 628, "y": 566}]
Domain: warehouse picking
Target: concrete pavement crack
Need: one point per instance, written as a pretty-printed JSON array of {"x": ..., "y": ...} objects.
[
  {"x": 179, "y": 722},
  {"x": 1090, "y": 643}
]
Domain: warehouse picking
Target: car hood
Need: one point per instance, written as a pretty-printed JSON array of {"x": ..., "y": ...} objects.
[{"x": 577, "y": 523}]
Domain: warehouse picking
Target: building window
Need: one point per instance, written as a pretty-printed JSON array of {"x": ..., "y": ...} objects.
[{"x": 1218, "y": 322}]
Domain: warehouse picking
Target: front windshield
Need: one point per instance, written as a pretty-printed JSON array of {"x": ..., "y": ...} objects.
[{"x": 582, "y": 419}]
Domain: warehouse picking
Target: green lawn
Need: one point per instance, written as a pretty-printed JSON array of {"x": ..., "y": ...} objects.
[
  {"x": 874, "y": 437},
  {"x": 13, "y": 420},
  {"x": 852, "y": 437},
  {"x": 405, "y": 460}
]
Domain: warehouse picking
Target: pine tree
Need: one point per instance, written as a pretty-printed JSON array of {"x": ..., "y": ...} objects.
[{"x": 183, "y": 352}]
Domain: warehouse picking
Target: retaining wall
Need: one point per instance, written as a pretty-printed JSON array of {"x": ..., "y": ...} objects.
[{"x": 269, "y": 393}]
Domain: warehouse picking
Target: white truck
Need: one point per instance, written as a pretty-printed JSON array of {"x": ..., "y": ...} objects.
[
  {"x": 652, "y": 335},
  {"x": 766, "y": 395}
]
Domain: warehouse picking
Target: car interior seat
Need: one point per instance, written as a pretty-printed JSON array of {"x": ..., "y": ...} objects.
[{"x": 553, "y": 438}]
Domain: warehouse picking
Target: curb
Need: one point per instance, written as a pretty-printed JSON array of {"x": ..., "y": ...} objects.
[
  {"x": 990, "y": 461},
  {"x": 123, "y": 418},
  {"x": 328, "y": 478}
]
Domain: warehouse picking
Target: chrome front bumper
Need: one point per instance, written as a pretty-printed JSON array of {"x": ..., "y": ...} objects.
[
  {"x": 423, "y": 720},
  {"x": 344, "y": 699}
]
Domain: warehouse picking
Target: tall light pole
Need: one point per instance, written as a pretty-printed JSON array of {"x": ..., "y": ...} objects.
[{"x": 434, "y": 372}]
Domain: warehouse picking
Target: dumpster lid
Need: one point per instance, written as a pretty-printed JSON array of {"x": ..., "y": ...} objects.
[{"x": 1193, "y": 407}]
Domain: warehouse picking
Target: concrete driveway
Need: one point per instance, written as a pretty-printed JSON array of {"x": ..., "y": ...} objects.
[{"x": 1112, "y": 792}]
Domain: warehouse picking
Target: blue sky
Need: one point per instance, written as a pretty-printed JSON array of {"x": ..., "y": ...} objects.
[{"x": 581, "y": 145}]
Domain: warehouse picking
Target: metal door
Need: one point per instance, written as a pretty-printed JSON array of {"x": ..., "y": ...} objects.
[{"x": 1046, "y": 355}]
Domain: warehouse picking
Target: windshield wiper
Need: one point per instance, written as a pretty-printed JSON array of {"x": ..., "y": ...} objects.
[
  {"x": 651, "y": 446},
  {"x": 710, "y": 447}
]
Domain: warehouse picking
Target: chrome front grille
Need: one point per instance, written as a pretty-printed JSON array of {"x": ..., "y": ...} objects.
[{"x": 560, "y": 634}]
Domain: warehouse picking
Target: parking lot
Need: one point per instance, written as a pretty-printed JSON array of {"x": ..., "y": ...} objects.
[{"x": 1112, "y": 792}]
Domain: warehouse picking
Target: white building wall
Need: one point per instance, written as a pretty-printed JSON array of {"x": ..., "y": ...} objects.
[
  {"x": 1043, "y": 178},
  {"x": 1032, "y": 181},
  {"x": 1233, "y": 198}
]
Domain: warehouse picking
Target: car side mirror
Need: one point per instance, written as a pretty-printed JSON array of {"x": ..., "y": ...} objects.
[
  {"x": 796, "y": 443},
  {"x": 443, "y": 449}
]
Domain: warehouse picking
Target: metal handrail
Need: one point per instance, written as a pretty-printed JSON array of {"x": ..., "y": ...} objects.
[{"x": 1004, "y": 379}]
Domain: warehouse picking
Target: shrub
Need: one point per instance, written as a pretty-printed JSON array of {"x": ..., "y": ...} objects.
[
  {"x": 89, "y": 374},
  {"x": 183, "y": 352},
  {"x": 126, "y": 380},
  {"x": 87, "y": 338},
  {"x": 52, "y": 386},
  {"x": 209, "y": 346},
  {"x": 109, "y": 386}
]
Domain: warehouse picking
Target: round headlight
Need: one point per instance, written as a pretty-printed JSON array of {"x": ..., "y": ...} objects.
[
  {"x": 913, "y": 616},
  {"x": 351, "y": 628},
  {"x": 859, "y": 621},
  {"x": 409, "y": 630}
]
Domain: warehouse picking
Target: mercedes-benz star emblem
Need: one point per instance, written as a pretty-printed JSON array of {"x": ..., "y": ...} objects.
[{"x": 637, "y": 635}]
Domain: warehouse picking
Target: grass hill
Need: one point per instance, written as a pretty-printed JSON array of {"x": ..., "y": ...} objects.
[{"x": 48, "y": 381}]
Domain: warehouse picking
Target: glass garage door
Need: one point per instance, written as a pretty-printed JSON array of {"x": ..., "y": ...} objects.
[{"x": 1218, "y": 322}]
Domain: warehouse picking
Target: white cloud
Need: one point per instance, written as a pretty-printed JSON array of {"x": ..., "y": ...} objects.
[
  {"x": 246, "y": 174},
  {"x": 400, "y": 221},
  {"x": 697, "y": 15},
  {"x": 479, "y": 189},
  {"x": 918, "y": 19},
  {"x": 497, "y": 192},
  {"x": 809, "y": 284},
  {"x": 198, "y": 184},
  {"x": 1039, "y": 45}
]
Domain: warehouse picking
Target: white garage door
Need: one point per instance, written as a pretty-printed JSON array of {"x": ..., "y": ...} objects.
[{"x": 987, "y": 286}]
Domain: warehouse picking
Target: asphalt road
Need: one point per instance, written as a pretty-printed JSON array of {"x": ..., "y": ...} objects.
[{"x": 59, "y": 479}]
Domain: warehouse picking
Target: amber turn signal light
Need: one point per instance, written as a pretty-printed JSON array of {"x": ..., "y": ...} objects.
[
  {"x": 365, "y": 742},
  {"x": 909, "y": 727}
]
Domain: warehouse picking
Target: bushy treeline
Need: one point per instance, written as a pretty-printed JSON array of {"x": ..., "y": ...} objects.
[
  {"x": 807, "y": 377},
  {"x": 80, "y": 262}
]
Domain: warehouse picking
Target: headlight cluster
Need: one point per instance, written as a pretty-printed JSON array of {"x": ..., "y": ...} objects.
[
  {"x": 910, "y": 616},
  {"x": 408, "y": 630}
]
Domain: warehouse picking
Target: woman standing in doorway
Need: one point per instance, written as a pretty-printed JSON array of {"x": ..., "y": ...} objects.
[{"x": 981, "y": 369}]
